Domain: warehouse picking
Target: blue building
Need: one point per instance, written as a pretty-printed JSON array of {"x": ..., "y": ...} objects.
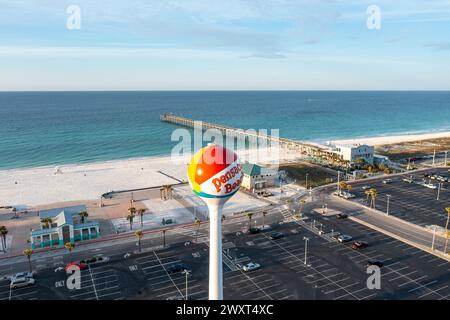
[{"x": 65, "y": 227}]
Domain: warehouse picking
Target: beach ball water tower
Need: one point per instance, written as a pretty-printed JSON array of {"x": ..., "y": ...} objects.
[{"x": 215, "y": 174}]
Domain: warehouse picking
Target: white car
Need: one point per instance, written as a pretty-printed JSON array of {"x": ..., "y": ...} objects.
[
  {"x": 97, "y": 259},
  {"x": 366, "y": 187},
  {"x": 387, "y": 181},
  {"x": 430, "y": 186},
  {"x": 23, "y": 275},
  {"x": 344, "y": 238},
  {"x": 19, "y": 282},
  {"x": 251, "y": 266}
]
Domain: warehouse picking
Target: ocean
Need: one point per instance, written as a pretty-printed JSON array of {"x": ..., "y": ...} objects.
[{"x": 56, "y": 128}]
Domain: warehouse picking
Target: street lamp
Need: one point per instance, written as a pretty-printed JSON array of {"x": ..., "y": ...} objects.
[
  {"x": 186, "y": 273},
  {"x": 387, "y": 207},
  {"x": 306, "y": 248}
]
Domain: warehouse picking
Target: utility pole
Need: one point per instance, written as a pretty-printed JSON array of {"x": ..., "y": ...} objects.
[
  {"x": 387, "y": 207},
  {"x": 434, "y": 237},
  {"x": 306, "y": 248},
  {"x": 439, "y": 190}
]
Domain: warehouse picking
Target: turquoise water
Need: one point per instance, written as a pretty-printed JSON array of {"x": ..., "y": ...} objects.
[{"x": 53, "y": 128}]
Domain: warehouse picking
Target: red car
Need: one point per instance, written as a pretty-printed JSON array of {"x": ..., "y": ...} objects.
[
  {"x": 359, "y": 245},
  {"x": 81, "y": 264}
]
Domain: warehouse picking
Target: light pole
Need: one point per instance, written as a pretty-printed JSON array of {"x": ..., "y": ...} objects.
[
  {"x": 434, "y": 156},
  {"x": 187, "y": 273},
  {"x": 387, "y": 206},
  {"x": 445, "y": 158},
  {"x": 439, "y": 190},
  {"x": 306, "y": 248}
]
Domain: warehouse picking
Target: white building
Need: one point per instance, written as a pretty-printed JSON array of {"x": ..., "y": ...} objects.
[
  {"x": 353, "y": 152},
  {"x": 256, "y": 177}
]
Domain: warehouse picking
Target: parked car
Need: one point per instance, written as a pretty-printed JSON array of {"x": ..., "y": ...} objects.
[
  {"x": 97, "y": 259},
  {"x": 408, "y": 180},
  {"x": 341, "y": 216},
  {"x": 430, "y": 186},
  {"x": 359, "y": 245},
  {"x": 347, "y": 195},
  {"x": 276, "y": 235},
  {"x": 374, "y": 262},
  {"x": 23, "y": 275},
  {"x": 255, "y": 230},
  {"x": 251, "y": 266},
  {"x": 387, "y": 181},
  {"x": 344, "y": 238},
  {"x": 179, "y": 267},
  {"x": 20, "y": 282},
  {"x": 80, "y": 264}
]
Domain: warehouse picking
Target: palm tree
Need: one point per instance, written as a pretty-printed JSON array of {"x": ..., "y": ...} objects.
[
  {"x": 141, "y": 213},
  {"x": 139, "y": 235},
  {"x": 47, "y": 221},
  {"x": 3, "y": 233},
  {"x": 197, "y": 222},
  {"x": 249, "y": 216},
  {"x": 28, "y": 253},
  {"x": 130, "y": 218},
  {"x": 83, "y": 215},
  {"x": 342, "y": 185},
  {"x": 69, "y": 246},
  {"x": 14, "y": 209},
  {"x": 373, "y": 197},
  {"x": 367, "y": 193}
]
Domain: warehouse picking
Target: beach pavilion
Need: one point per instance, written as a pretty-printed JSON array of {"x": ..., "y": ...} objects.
[{"x": 65, "y": 226}]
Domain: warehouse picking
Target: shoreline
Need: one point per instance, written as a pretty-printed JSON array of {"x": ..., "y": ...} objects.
[
  {"x": 394, "y": 139},
  {"x": 33, "y": 187},
  {"x": 37, "y": 186}
]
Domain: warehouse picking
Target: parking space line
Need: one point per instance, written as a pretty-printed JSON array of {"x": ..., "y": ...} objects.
[
  {"x": 93, "y": 284},
  {"x": 423, "y": 286},
  {"x": 173, "y": 282}
]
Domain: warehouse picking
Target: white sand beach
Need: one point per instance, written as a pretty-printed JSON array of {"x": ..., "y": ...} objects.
[
  {"x": 393, "y": 139},
  {"x": 31, "y": 187},
  {"x": 25, "y": 188}
]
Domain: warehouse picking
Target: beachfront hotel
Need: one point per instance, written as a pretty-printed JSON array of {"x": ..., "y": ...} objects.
[{"x": 65, "y": 226}]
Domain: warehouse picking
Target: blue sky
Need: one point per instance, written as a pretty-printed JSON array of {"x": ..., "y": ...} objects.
[{"x": 226, "y": 44}]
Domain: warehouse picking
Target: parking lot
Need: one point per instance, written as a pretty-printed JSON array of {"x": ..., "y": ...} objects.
[
  {"x": 408, "y": 273},
  {"x": 412, "y": 202},
  {"x": 332, "y": 271}
]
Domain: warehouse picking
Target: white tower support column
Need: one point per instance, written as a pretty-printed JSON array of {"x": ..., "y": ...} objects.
[{"x": 215, "y": 252}]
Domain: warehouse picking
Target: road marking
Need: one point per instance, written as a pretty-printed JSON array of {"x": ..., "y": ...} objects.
[
  {"x": 173, "y": 282},
  {"x": 93, "y": 284},
  {"x": 423, "y": 286}
]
